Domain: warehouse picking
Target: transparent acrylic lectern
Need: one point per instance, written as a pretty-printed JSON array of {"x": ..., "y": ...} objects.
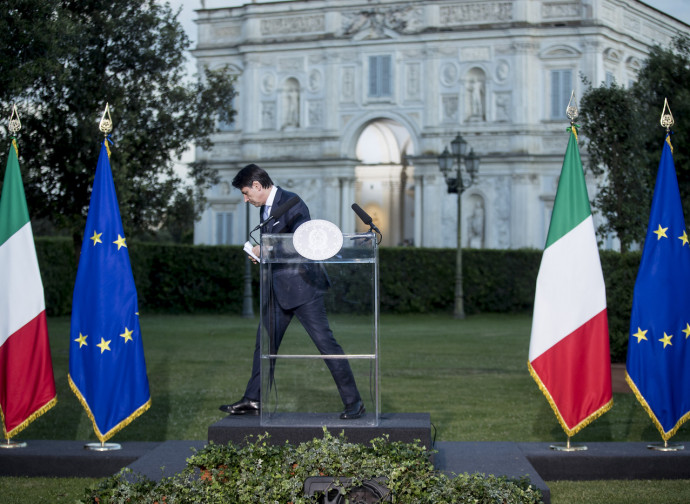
[{"x": 296, "y": 384}]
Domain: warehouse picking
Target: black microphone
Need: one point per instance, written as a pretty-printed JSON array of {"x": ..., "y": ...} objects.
[
  {"x": 366, "y": 218},
  {"x": 279, "y": 211}
]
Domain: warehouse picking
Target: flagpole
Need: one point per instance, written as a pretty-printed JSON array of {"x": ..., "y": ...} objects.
[
  {"x": 14, "y": 127},
  {"x": 666, "y": 121},
  {"x": 572, "y": 112},
  {"x": 106, "y": 126}
]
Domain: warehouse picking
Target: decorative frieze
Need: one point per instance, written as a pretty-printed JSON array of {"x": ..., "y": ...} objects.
[
  {"x": 560, "y": 10},
  {"x": 475, "y": 54},
  {"x": 291, "y": 25},
  {"x": 291, "y": 64},
  {"x": 479, "y": 12},
  {"x": 223, "y": 33}
]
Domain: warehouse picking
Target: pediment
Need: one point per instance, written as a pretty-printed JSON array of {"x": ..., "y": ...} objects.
[
  {"x": 559, "y": 52},
  {"x": 613, "y": 55}
]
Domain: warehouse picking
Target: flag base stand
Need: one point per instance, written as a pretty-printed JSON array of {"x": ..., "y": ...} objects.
[
  {"x": 13, "y": 444},
  {"x": 102, "y": 446},
  {"x": 568, "y": 447},
  {"x": 666, "y": 447}
]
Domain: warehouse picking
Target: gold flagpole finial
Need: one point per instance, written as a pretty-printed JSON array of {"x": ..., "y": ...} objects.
[
  {"x": 106, "y": 124},
  {"x": 571, "y": 110},
  {"x": 666, "y": 120},
  {"x": 15, "y": 123}
]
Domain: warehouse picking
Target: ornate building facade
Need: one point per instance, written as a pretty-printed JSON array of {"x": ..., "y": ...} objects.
[{"x": 351, "y": 101}]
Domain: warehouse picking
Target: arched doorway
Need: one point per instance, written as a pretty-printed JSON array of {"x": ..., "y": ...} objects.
[{"x": 384, "y": 181}]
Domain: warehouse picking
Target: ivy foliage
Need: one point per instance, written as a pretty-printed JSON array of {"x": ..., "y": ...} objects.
[{"x": 262, "y": 472}]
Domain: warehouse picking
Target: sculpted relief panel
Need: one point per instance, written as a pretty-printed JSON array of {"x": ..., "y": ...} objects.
[{"x": 381, "y": 22}]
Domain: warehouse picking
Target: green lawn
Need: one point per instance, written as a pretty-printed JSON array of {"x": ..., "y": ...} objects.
[{"x": 470, "y": 375}]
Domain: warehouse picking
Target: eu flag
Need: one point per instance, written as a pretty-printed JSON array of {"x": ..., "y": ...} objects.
[
  {"x": 658, "y": 362},
  {"x": 107, "y": 370}
]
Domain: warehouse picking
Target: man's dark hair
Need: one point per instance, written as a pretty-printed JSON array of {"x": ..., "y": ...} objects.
[{"x": 249, "y": 174}]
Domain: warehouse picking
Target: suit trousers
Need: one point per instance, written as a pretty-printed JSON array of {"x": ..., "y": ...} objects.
[{"x": 312, "y": 316}]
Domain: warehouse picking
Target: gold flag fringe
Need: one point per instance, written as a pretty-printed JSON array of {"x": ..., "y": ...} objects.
[
  {"x": 26, "y": 422},
  {"x": 16, "y": 149},
  {"x": 664, "y": 434},
  {"x": 104, "y": 437},
  {"x": 584, "y": 423}
]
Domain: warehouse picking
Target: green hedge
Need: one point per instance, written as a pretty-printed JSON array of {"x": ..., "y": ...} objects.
[{"x": 189, "y": 279}]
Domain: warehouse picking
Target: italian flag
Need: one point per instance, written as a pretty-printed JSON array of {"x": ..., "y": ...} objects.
[
  {"x": 569, "y": 347},
  {"x": 27, "y": 384}
]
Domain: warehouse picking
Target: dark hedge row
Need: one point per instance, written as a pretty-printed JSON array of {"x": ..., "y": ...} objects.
[{"x": 188, "y": 279}]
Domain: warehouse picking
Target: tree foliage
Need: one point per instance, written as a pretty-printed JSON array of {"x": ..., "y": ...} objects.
[
  {"x": 609, "y": 115},
  {"x": 67, "y": 59},
  {"x": 625, "y": 139},
  {"x": 666, "y": 75}
]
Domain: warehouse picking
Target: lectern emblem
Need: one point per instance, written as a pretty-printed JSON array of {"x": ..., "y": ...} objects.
[{"x": 318, "y": 240}]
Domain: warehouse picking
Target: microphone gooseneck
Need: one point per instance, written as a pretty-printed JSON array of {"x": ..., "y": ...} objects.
[
  {"x": 278, "y": 212},
  {"x": 365, "y": 217}
]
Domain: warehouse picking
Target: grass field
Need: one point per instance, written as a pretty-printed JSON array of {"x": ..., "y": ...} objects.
[{"x": 470, "y": 375}]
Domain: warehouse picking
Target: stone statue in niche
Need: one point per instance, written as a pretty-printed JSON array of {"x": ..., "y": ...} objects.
[
  {"x": 476, "y": 224},
  {"x": 291, "y": 104},
  {"x": 476, "y": 100},
  {"x": 476, "y": 95}
]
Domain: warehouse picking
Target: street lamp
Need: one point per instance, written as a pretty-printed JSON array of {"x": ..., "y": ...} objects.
[
  {"x": 248, "y": 300},
  {"x": 457, "y": 180}
]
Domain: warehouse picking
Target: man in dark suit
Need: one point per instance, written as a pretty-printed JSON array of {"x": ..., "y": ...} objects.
[{"x": 298, "y": 291}]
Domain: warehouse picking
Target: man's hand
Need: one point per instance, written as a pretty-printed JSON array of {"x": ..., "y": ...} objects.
[{"x": 257, "y": 252}]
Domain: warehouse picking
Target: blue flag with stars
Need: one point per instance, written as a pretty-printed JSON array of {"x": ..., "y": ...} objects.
[
  {"x": 107, "y": 370},
  {"x": 658, "y": 361}
]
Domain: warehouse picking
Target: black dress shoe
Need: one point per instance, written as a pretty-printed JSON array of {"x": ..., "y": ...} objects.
[
  {"x": 242, "y": 407},
  {"x": 352, "y": 411}
]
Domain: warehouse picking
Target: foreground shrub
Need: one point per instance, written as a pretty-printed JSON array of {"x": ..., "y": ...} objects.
[{"x": 261, "y": 472}]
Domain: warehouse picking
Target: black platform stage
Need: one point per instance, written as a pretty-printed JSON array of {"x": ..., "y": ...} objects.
[
  {"x": 538, "y": 461},
  {"x": 299, "y": 427}
]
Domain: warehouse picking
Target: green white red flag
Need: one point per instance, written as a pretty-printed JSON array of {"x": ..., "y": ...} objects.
[
  {"x": 27, "y": 384},
  {"x": 569, "y": 346}
]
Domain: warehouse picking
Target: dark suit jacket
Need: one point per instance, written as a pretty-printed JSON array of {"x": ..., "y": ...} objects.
[{"x": 294, "y": 284}]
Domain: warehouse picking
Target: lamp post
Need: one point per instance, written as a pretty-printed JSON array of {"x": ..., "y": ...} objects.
[
  {"x": 248, "y": 300},
  {"x": 460, "y": 171}
]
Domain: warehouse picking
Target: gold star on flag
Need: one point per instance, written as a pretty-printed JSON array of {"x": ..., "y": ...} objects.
[
  {"x": 96, "y": 238},
  {"x": 104, "y": 345},
  {"x": 640, "y": 334},
  {"x": 684, "y": 238},
  {"x": 120, "y": 242},
  {"x": 666, "y": 340},
  {"x": 127, "y": 335},
  {"x": 82, "y": 340},
  {"x": 687, "y": 330},
  {"x": 659, "y": 232}
]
